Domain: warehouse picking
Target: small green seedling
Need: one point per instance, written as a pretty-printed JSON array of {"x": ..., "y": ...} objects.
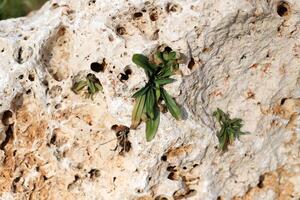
[
  {"x": 230, "y": 128},
  {"x": 150, "y": 96},
  {"x": 92, "y": 84}
]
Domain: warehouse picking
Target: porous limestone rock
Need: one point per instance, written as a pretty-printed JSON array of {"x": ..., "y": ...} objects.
[{"x": 242, "y": 56}]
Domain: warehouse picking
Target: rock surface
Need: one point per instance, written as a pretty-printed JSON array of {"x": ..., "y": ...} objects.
[{"x": 242, "y": 56}]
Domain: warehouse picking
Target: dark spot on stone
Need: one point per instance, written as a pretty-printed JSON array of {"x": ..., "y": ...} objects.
[
  {"x": 137, "y": 15},
  {"x": 92, "y": 2},
  {"x": 94, "y": 173},
  {"x": 260, "y": 182},
  {"x": 154, "y": 16},
  {"x": 121, "y": 30},
  {"x": 171, "y": 7},
  {"x": 164, "y": 158},
  {"x": 57, "y": 106},
  {"x": 8, "y": 136},
  {"x": 21, "y": 76},
  {"x": 283, "y": 101},
  {"x": 283, "y": 9},
  {"x": 76, "y": 177},
  {"x": 28, "y": 91},
  {"x": 171, "y": 168},
  {"x": 243, "y": 57},
  {"x": 123, "y": 77},
  {"x": 128, "y": 71},
  {"x": 19, "y": 55},
  {"x": 45, "y": 83},
  {"x": 171, "y": 176},
  {"x": 168, "y": 49},
  {"x": 54, "y": 5},
  {"x": 98, "y": 67},
  {"x": 191, "y": 64},
  {"x": 53, "y": 139},
  {"x": 31, "y": 77},
  {"x": 7, "y": 117},
  {"x": 114, "y": 127}
]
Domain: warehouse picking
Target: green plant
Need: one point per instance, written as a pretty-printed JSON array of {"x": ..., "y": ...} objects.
[
  {"x": 230, "y": 128},
  {"x": 151, "y": 95},
  {"x": 18, "y": 8},
  {"x": 92, "y": 84}
]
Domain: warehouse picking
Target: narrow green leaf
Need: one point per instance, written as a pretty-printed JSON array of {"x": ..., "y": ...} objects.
[
  {"x": 157, "y": 93},
  {"x": 150, "y": 101},
  {"x": 152, "y": 126},
  {"x": 165, "y": 72},
  {"x": 137, "y": 111},
  {"x": 91, "y": 87},
  {"x": 99, "y": 87},
  {"x": 231, "y": 134},
  {"x": 79, "y": 86},
  {"x": 217, "y": 115},
  {"x": 222, "y": 142},
  {"x": 172, "y": 55},
  {"x": 158, "y": 56},
  {"x": 141, "y": 91},
  {"x": 143, "y": 62},
  {"x": 171, "y": 104},
  {"x": 164, "y": 81},
  {"x": 165, "y": 56}
]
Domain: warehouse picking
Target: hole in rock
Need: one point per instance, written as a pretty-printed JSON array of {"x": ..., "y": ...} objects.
[
  {"x": 94, "y": 173},
  {"x": 283, "y": 9},
  {"x": 123, "y": 77},
  {"x": 92, "y": 2},
  {"x": 21, "y": 76},
  {"x": 128, "y": 71},
  {"x": 7, "y": 117},
  {"x": 28, "y": 91},
  {"x": 283, "y": 101},
  {"x": 164, "y": 158},
  {"x": 261, "y": 180},
  {"x": 191, "y": 64},
  {"x": 153, "y": 16},
  {"x": 9, "y": 135},
  {"x": 168, "y": 49},
  {"x": 172, "y": 176},
  {"x": 121, "y": 30},
  {"x": 137, "y": 15},
  {"x": 31, "y": 77},
  {"x": 97, "y": 67}
]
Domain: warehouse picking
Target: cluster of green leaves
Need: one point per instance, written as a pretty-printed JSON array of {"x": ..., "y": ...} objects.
[
  {"x": 151, "y": 95},
  {"x": 18, "y": 8},
  {"x": 92, "y": 84},
  {"x": 230, "y": 128}
]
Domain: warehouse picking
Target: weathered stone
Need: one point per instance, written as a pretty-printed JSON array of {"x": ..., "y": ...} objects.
[{"x": 241, "y": 56}]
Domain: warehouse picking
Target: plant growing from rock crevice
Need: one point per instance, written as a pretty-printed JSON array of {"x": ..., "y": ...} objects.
[
  {"x": 152, "y": 94},
  {"x": 92, "y": 84},
  {"x": 230, "y": 128}
]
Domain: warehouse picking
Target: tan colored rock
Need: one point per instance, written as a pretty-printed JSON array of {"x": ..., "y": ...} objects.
[{"x": 239, "y": 55}]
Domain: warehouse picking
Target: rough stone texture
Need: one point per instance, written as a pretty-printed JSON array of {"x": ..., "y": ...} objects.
[{"x": 240, "y": 55}]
